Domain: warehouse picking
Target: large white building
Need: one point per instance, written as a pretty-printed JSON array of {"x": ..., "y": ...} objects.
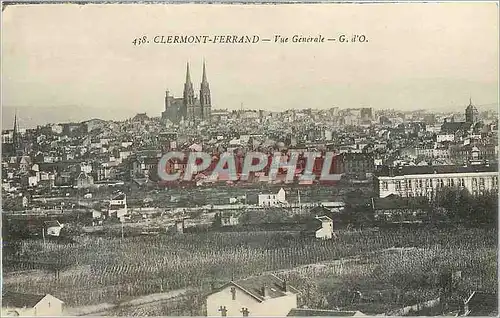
[
  {"x": 278, "y": 199},
  {"x": 415, "y": 181},
  {"x": 264, "y": 295}
]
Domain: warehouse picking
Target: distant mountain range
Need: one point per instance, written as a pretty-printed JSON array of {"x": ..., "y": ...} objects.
[{"x": 32, "y": 116}]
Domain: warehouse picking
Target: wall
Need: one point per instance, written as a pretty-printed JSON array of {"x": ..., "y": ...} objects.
[
  {"x": 224, "y": 298},
  {"x": 49, "y": 306},
  {"x": 271, "y": 307}
]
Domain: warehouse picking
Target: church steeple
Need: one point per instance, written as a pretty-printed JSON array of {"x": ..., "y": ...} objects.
[
  {"x": 188, "y": 76},
  {"x": 205, "y": 98},
  {"x": 15, "y": 136},
  {"x": 188, "y": 96},
  {"x": 204, "y": 78},
  {"x": 471, "y": 113}
]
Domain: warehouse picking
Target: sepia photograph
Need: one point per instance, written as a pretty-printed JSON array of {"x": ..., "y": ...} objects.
[{"x": 249, "y": 159}]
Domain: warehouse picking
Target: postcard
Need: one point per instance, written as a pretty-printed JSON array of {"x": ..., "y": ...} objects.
[{"x": 250, "y": 159}]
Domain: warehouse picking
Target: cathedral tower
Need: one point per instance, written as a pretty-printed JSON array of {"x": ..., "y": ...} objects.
[
  {"x": 471, "y": 113},
  {"x": 205, "y": 98},
  {"x": 189, "y": 101}
]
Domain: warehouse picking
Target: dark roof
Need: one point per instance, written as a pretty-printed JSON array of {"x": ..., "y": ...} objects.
[
  {"x": 354, "y": 156},
  {"x": 120, "y": 196},
  {"x": 303, "y": 312},
  {"x": 253, "y": 286},
  {"x": 414, "y": 170},
  {"x": 20, "y": 300},
  {"x": 319, "y": 210},
  {"x": 52, "y": 223},
  {"x": 455, "y": 126},
  {"x": 323, "y": 218},
  {"x": 140, "y": 116},
  {"x": 482, "y": 304}
]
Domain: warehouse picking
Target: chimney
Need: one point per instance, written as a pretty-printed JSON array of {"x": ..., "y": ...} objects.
[
  {"x": 285, "y": 286},
  {"x": 264, "y": 291}
]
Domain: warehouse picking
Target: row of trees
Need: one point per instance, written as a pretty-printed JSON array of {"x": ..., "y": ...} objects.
[
  {"x": 452, "y": 205},
  {"x": 462, "y": 207}
]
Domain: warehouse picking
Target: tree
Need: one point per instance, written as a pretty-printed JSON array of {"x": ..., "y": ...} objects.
[
  {"x": 217, "y": 222},
  {"x": 462, "y": 207}
]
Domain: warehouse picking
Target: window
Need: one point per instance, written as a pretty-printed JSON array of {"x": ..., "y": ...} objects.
[
  {"x": 462, "y": 182},
  {"x": 398, "y": 185},
  {"x": 481, "y": 182},
  {"x": 244, "y": 311},
  {"x": 233, "y": 293},
  {"x": 408, "y": 184},
  {"x": 223, "y": 311},
  {"x": 385, "y": 186}
]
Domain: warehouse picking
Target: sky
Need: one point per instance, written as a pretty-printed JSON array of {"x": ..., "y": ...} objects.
[{"x": 74, "y": 62}]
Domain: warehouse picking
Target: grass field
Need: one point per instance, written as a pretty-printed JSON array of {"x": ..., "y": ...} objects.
[{"x": 114, "y": 270}]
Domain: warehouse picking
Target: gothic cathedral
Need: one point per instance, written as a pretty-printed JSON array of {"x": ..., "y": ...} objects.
[{"x": 189, "y": 108}]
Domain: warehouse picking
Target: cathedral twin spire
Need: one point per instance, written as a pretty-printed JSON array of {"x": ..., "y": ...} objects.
[
  {"x": 197, "y": 109},
  {"x": 188, "y": 75}
]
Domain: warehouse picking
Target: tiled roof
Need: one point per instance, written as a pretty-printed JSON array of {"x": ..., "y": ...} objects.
[
  {"x": 253, "y": 286},
  {"x": 120, "y": 196},
  {"x": 454, "y": 126},
  {"x": 415, "y": 170},
  {"x": 52, "y": 223}
]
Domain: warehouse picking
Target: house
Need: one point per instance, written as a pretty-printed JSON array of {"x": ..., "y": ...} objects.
[
  {"x": 180, "y": 226},
  {"x": 84, "y": 180},
  {"x": 118, "y": 206},
  {"x": 229, "y": 219},
  {"x": 140, "y": 118},
  {"x": 309, "y": 312},
  {"x": 264, "y": 295},
  {"x": 53, "y": 228},
  {"x": 273, "y": 199},
  {"x": 325, "y": 232},
  {"x": 21, "y": 304}
]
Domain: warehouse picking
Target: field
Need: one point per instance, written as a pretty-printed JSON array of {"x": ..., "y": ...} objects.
[{"x": 371, "y": 261}]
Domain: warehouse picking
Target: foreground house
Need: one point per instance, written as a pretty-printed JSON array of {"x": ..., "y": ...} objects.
[
  {"x": 325, "y": 232},
  {"x": 118, "y": 206},
  {"x": 265, "y": 295},
  {"x": 21, "y": 304},
  {"x": 53, "y": 228}
]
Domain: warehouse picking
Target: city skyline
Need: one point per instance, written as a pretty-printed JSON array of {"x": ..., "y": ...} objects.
[{"x": 81, "y": 70}]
